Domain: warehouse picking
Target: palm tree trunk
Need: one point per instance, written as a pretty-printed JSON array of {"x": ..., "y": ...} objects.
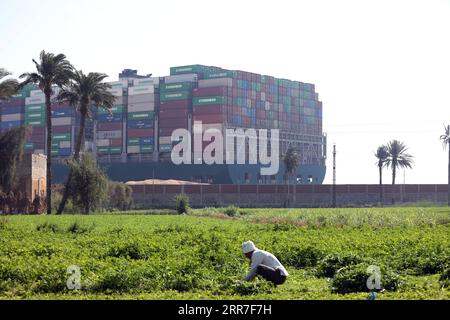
[
  {"x": 78, "y": 149},
  {"x": 381, "y": 185},
  {"x": 448, "y": 185},
  {"x": 394, "y": 170},
  {"x": 49, "y": 149}
]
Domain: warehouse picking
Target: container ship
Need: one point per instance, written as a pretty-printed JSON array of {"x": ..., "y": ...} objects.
[{"x": 133, "y": 141}]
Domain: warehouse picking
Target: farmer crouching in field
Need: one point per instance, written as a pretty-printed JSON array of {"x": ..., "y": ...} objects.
[{"x": 264, "y": 264}]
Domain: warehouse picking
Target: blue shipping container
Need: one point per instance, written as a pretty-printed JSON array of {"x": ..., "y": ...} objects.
[
  {"x": 62, "y": 113},
  {"x": 12, "y": 110},
  {"x": 140, "y": 124},
  {"x": 65, "y": 152},
  {"x": 10, "y": 124},
  {"x": 147, "y": 141},
  {"x": 115, "y": 117}
]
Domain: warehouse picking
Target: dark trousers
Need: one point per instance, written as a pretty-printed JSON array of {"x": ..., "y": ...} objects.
[{"x": 271, "y": 274}]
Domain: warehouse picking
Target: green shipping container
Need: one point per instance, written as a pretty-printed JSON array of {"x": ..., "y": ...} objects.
[
  {"x": 209, "y": 100},
  {"x": 183, "y": 95},
  {"x": 134, "y": 142},
  {"x": 114, "y": 109},
  {"x": 223, "y": 74},
  {"x": 115, "y": 150},
  {"x": 196, "y": 68},
  {"x": 147, "y": 149},
  {"x": 62, "y": 137},
  {"x": 29, "y": 146},
  {"x": 103, "y": 150},
  {"x": 35, "y": 116},
  {"x": 35, "y": 123},
  {"x": 141, "y": 116},
  {"x": 35, "y": 108},
  {"x": 182, "y": 86}
]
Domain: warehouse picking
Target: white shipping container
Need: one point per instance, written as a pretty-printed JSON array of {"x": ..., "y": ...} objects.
[
  {"x": 12, "y": 117},
  {"x": 65, "y": 144},
  {"x": 103, "y": 143},
  {"x": 133, "y": 149},
  {"x": 116, "y": 134},
  {"x": 211, "y": 83},
  {"x": 66, "y": 121},
  {"x": 141, "y": 90},
  {"x": 165, "y": 140},
  {"x": 141, "y": 98},
  {"x": 35, "y": 100},
  {"x": 118, "y": 92},
  {"x": 39, "y": 151},
  {"x": 181, "y": 78},
  {"x": 146, "y": 82},
  {"x": 141, "y": 107},
  {"x": 119, "y": 84},
  {"x": 36, "y": 93}
]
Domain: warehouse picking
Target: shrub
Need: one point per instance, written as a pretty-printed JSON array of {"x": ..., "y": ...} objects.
[
  {"x": 251, "y": 288},
  {"x": 300, "y": 257},
  {"x": 4, "y": 221},
  {"x": 79, "y": 228},
  {"x": 130, "y": 250},
  {"x": 445, "y": 278},
  {"x": 48, "y": 226},
  {"x": 89, "y": 184},
  {"x": 120, "y": 196},
  {"x": 354, "y": 279},
  {"x": 182, "y": 204},
  {"x": 329, "y": 265},
  {"x": 232, "y": 211}
]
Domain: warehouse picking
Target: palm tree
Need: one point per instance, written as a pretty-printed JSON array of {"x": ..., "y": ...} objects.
[
  {"x": 9, "y": 87},
  {"x": 446, "y": 142},
  {"x": 398, "y": 158},
  {"x": 291, "y": 162},
  {"x": 381, "y": 155},
  {"x": 51, "y": 70},
  {"x": 81, "y": 92}
]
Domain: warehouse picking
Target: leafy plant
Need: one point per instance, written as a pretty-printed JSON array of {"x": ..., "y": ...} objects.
[{"x": 182, "y": 204}]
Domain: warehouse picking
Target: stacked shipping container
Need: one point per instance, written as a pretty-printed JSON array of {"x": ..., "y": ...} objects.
[
  {"x": 175, "y": 107},
  {"x": 143, "y": 100},
  {"x": 110, "y": 123}
]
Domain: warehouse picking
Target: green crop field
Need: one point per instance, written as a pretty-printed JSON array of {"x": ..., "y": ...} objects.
[{"x": 143, "y": 256}]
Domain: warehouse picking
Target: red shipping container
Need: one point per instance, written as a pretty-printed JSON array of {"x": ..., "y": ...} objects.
[
  {"x": 140, "y": 133},
  {"x": 38, "y": 130},
  {"x": 172, "y": 114},
  {"x": 62, "y": 129},
  {"x": 208, "y": 110},
  {"x": 209, "y": 92},
  {"x": 175, "y": 104},
  {"x": 116, "y": 142},
  {"x": 210, "y": 118},
  {"x": 168, "y": 132},
  {"x": 109, "y": 126},
  {"x": 60, "y": 106},
  {"x": 173, "y": 123},
  {"x": 36, "y": 138}
]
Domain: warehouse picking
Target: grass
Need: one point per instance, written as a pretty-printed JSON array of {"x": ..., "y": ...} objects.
[{"x": 198, "y": 256}]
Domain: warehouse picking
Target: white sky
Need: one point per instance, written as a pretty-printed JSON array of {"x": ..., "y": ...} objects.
[{"x": 382, "y": 68}]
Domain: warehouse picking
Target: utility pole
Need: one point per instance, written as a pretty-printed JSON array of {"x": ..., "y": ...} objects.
[{"x": 334, "y": 176}]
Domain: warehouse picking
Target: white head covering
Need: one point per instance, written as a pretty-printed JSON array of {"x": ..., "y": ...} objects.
[{"x": 248, "y": 247}]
